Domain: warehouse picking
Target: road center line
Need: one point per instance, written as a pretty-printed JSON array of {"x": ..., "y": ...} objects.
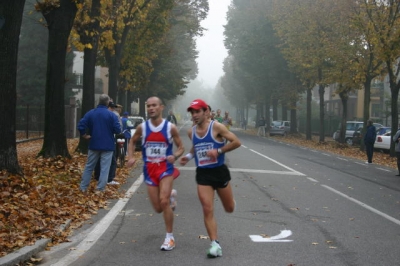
[
  {"x": 278, "y": 163},
  {"x": 242, "y": 170},
  {"x": 384, "y": 215}
]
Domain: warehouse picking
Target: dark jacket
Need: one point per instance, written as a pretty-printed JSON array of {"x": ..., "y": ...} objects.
[
  {"x": 172, "y": 119},
  {"x": 101, "y": 124},
  {"x": 370, "y": 135}
]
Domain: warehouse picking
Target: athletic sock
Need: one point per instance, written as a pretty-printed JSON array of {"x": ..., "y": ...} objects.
[{"x": 169, "y": 235}]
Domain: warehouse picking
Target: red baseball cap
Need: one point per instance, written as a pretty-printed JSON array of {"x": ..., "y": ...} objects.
[{"x": 197, "y": 105}]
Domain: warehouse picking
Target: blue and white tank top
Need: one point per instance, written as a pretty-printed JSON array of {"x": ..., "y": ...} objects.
[{"x": 204, "y": 144}]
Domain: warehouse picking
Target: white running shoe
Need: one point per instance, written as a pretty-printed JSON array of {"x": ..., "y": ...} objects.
[
  {"x": 215, "y": 250},
  {"x": 169, "y": 244}
]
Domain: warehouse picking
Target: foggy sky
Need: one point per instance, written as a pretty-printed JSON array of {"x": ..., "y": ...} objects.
[{"x": 211, "y": 47}]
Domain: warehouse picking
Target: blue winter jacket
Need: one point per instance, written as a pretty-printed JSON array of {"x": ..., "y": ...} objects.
[
  {"x": 101, "y": 124},
  {"x": 370, "y": 135}
]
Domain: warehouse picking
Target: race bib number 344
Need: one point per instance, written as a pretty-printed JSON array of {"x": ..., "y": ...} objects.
[{"x": 156, "y": 151}]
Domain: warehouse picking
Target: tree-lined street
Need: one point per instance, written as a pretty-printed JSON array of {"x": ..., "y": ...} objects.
[{"x": 294, "y": 206}]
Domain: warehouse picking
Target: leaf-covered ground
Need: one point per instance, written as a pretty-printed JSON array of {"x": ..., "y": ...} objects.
[{"x": 36, "y": 205}]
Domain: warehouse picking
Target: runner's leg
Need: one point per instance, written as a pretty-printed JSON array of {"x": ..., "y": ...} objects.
[
  {"x": 206, "y": 197},
  {"x": 226, "y": 196},
  {"x": 165, "y": 194}
]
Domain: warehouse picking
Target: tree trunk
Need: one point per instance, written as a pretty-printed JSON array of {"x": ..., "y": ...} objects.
[
  {"x": 274, "y": 109},
  {"x": 293, "y": 117},
  {"x": 343, "y": 97},
  {"x": 308, "y": 114},
  {"x": 59, "y": 22},
  {"x": 284, "y": 111},
  {"x": 321, "y": 91},
  {"x": 267, "y": 113},
  {"x": 89, "y": 69},
  {"x": 367, "y": 101},
  {"x": 10, "y": 26}
]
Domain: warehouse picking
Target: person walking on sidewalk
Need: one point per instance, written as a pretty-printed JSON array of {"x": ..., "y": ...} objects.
[
  {"x": 369, "y": 140},
  {"x": 158, "y": 170},
  {"x": 261, "y": 127},
  {"x": 99, "y": 126},
  {"x": 172, "y": 118},
  {"x": 209, "y": 148}
]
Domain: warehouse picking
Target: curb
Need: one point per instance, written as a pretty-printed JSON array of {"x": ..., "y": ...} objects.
[{"x": 25, "y": 253}]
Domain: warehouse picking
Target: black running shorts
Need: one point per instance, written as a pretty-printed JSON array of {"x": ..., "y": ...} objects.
[{"x": 217, "y": 177}]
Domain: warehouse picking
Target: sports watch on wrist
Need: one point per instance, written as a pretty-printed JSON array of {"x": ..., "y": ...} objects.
[{"x": 219, "y": 151}]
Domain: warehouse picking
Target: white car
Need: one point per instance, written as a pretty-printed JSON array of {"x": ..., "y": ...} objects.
[
  {"x": 136, "y": 120},
  {"x": 382, "y": 142}
]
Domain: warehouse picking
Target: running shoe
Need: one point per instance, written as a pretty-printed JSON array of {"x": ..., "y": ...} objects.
[
  {"x": 215, "y": 250},
  {"x": 169, "y": 244},
  {"x": 172, "y": 199},
  {"x": 113, "y": 183}
]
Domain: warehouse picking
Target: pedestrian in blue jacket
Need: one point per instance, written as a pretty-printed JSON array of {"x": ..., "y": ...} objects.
[
  {"x": 369, "y": 140},
  {"x": 99, "y": 126}
]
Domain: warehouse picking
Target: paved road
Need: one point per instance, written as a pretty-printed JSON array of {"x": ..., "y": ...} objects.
[{"x": 294, "y": 206}]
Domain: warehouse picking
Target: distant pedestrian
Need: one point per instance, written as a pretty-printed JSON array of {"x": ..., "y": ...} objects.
[
  {"x": 218, "y": 116},
  {"x": 171, "y": 118},
  {"x": 227, "y": 120},
  {"x": 396, "y": 139},
  {"x": 261, "y": 126},
  {"x": 101, "y": 125},
  {"x": 369, "y": 140},
  {"x": 212, "y": 115},
  {"x": 244, "y": 123}
]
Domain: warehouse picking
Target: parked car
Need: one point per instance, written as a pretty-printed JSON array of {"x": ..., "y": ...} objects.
[
  {"x": 379, "y": 131},
  {"x": 279, "y": 128},
  {"x": 382, "y": 142},
  {"x": 136, "y": 121},
  {"x": 383, "y": 130},
  {"x": 351, "y": 127}
]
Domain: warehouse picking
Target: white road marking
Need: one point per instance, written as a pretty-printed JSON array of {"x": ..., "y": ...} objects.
[
  {"x": 242, "y": 170},
  {"x": 384, "y": 215},
  {"x": 278, "y": 163},
  {"x": 343, "y": 159},
  {"x": 277, "y": 238},
  {"x": 312, "y": 179},
  {"x": 386, "y": 170},
  {"x": 326, "y": 154},
  {"x": 100, "y": 228},
  {"x": 360, "y": 163}
]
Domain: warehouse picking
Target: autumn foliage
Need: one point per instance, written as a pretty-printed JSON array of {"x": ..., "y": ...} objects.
[{"x": 34, "y": 206}]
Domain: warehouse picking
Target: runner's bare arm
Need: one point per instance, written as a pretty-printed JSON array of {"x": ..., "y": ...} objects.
[
  {"x": 185, "y": 159},
  {"x": 131, "y": 145},
  {"x": 233, "y": 140},
  {"x": 178, "y": 142}
]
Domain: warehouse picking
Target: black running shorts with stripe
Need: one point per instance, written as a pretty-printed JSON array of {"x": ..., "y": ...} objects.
[{"x": 217, "y": 177}]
